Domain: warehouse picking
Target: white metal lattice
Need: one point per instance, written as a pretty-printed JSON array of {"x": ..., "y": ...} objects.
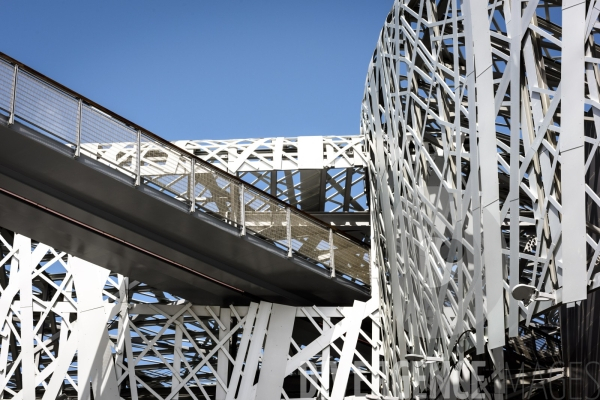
[
  {"x": 480, "y": 119},
  {"x": 69, "y": 326}
]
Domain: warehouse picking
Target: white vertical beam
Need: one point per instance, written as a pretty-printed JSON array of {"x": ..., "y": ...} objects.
[
  {"x": 124, "y": 330},
  {"x": 375, "y": 353},
  {"x": 222, "y": 361},
  {"x": 254, "y": 351},
  {"x": 477, "y": 17},
  {"x": 4, "y": 357},
  {"x": 94, "y": 360},
  {"x": 497, "y": 355},
  {"x": 176, "y": 378},
  {"x": 343, "y": 372},
  {"x": 277, "y": 347},
  {"x": 28, "y": 369},
  {"x": 104, "y": 377},
  {"x": 515, "y": 117},
  {"x": 277, "y": 154},
  {"x": 241, "y": 354},
  {"x": 325, "y": 367},
  {"x": 572, "y": 152},
  {"x": 67, "y": 352}
]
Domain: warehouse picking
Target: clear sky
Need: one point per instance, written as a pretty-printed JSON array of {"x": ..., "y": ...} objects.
[{"x": 207, "y": 68}]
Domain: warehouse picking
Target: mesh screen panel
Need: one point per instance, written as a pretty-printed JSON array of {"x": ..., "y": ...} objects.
[
  {"x": 166, "y": 167},
  {"x": 46, "y": 107},
  {"x": 350, "y": 259},
  {"x": 309, "y": 239},
  {"x": 265, "y": 216},
  {"x": 6, "y": 84},
  {"x": 216, "y": 192},
  {"x": 108, "y": 140}
]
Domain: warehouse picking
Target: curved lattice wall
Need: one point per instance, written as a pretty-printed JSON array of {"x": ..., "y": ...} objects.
[{"x": 480, "y": 119}]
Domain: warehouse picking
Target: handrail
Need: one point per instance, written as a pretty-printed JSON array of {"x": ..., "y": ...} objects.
[
  {"x": 158, "y": 161},
  {"x": 165, "y": 142}
]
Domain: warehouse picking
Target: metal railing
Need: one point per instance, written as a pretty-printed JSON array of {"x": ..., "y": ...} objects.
[{"x": 28, "y": 97}]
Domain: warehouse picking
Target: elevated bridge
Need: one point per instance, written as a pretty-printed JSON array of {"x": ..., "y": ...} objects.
[
  {"x": 331, "y": 185},
  {"x": 80, "y": 178}
]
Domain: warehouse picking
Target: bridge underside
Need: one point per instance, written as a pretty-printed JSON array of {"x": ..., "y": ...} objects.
[{"x": 94, "y": 212}]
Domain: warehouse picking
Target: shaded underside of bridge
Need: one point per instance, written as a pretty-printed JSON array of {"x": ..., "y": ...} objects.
[{"x": 95, "y": 212}]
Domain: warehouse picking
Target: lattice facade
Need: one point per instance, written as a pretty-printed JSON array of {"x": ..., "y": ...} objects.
[
  {"x": 477, "y": 182},
  {"x": 72, "y": 328},
  {"x": 322, "y": 175},
  {"x": 334, "y": 180},
  {"x": 481, "y": 125},
  {"x": 316, "y": 173}
]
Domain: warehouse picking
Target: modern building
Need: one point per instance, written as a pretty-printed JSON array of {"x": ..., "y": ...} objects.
[{"x": 449, "y": 251}]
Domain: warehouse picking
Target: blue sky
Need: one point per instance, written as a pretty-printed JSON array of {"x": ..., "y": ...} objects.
[{"x": 206, "y": 69}]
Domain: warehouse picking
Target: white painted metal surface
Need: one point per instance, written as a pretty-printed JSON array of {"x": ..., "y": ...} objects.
[
  {"x": 316, "y": 173},
  {"x": 483, "y": 129},
  {"x": 72, "y": 327},
  {"x": 70, "y": 121},
  {"x": 479, "y": 126}
]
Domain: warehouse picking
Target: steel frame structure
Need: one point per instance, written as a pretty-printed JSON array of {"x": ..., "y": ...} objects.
[
  {"x": 74, "y": 122},
  {"x": 481, "y": 121},
  {"x": 73, "y": 328},
  {"x": 332, "y": 187},
  {"x": 293, "y": 170},
  {"x": 287, "y": 168},
  {"x": 477, "y": 182}
]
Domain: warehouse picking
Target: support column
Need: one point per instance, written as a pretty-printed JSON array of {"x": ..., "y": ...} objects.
[
  {"x": 222, "y": 360},
  {"x": 26, "y": 316},
  {"x": 277, "y": 349},
  {"x": 572, "y": 152}
]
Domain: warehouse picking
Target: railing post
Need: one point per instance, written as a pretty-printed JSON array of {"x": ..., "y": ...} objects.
[
  {"x": 192, "y": 189},
  {"x": 242, "y": 211},
  {"x": 288, "y": 223},
  {"x": 11, "y": 118},
  {"x": 78, "y": 139},
  {"x": 138, "y": 167},
  {"x": 331, "y": 253}
]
